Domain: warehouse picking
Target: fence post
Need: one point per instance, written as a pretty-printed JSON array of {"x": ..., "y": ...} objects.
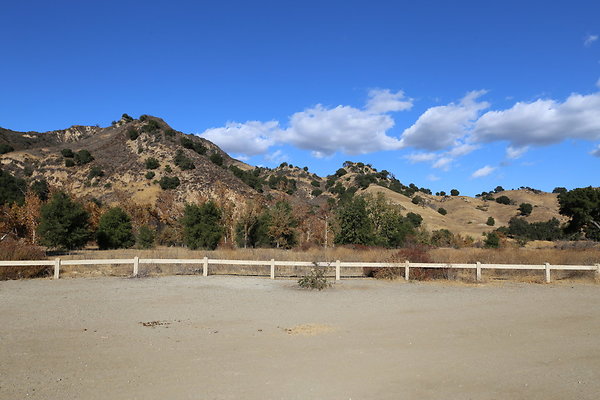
[
  {"x": 598, "y": 272},
  {"x": 136, "y": 265},
  {"x": 56, "y": 268},
  {"x": 205, "y": 266},
  {"x": 337, "y": 270},
  {"x": 547, "y": 272},
  {"x": 406, "y": 269},
  {"x": 478, "y": 271},
  {"x": 272, "y": 268}
]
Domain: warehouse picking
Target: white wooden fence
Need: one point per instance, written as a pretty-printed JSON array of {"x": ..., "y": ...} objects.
[{"x": 206, "y": 262}]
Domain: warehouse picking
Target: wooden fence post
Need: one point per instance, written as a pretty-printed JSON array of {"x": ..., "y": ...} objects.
[
  {"x": 272, "y": 268},
  {"x": 205, "y": 266},
  {"x": 478, "y": 271},
  {"x": 547, "y": 272},
  {"x": 56, "y": 268},
  {"x": 598, "y": 272},
  {"x": 337, "y": 270},
  {"x": 136, "y": 265},
  {"x": 406, "y": 270}
]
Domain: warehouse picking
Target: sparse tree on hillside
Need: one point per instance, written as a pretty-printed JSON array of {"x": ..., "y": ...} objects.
[
  {"x": 525, "y": 209},
  {"x": 454, "y": 192}
]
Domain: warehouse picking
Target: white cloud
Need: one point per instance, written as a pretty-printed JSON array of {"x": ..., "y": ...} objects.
[
  {"x": 462, "y": 149},
  {"x": 515, "y": 152},
  {"x": 250, "y": 138},
  {"x": 343, "y": 128},
  {"x": 443, "y": 163},
  {"x": 276, "y": 157},
  {"x": 382, "y": 101},
  {"x": 421, "y": 157},
  {"x": 542, "y": 122},
  {"x": 484, "y": 171},
  {"x": 433, "y": 178},
  {"x": 440, "y": 127},
  {"x": 596, "y": 151},
  {"x": 589, "y": 39}
]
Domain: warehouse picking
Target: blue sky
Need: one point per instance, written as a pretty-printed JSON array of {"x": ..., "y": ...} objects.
[{"x": 466, "y": 95}]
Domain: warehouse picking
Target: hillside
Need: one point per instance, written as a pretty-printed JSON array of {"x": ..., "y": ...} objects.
[{"x": 139, "y": 159}]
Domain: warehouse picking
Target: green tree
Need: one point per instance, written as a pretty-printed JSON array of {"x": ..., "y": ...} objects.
[
  {"x": 67, "y": 153},
  {"x": 167, "y": 182},
  {"x": 41, "y": 189},
  {"x": 202, "y": 225},
  {"x": 355, "y": 226},
  {"x": 217, "y": 159},
  {"x": 454, "y": 192},
  {"x": 525, "y": 209},
  {"x": 282, "y": 225},
  {"x": 114, "y": 230},
  {"x": 151, "y": 163},
  {"x": 503, "y": 200},
  {"x": 64, "y": 223},
  {"x": 83, "y": 157},
  {"x": 442, "y": 211},
  {"x": 145, "y": 237},
  {"x": 492, "y": 240},
  {"x": 582, "y": 206},
  {"x": 12, "y": 189},
  {"x": 6, "y": 148},
  {"x": 490, "y": 221}
]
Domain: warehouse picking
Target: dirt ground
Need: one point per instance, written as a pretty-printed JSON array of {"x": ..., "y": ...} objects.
[{"x": 220, "y": 337}]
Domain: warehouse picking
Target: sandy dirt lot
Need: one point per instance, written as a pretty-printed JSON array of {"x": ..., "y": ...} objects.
[{"x": 218, "y": 337}]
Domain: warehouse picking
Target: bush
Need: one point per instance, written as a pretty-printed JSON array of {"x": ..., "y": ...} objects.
[
  {"x": 525, "y": 209},
  {"x": 192, "y": 145},
  {"x": 83, "y": 157},
  {"x": 417, "y": 200},
  {"x": 315, "y": 184},
  {"x": 182, "y": 161},
  {"x": 67, "y": 153},
  {"x": 167, "y": 182},
  {"x": 40, "y": 189},
  {"x": 6, "y": 148},
  {"x": 150, "y": 175},
  {"x": 490, "y": 221},
  {"x": 170, "y": 133},
  {"x": 151, "y": 127},
  {"x": 145, "y": 237},
  {"x": 503, "y": 200},
  {"x": 316, "y": 192},
  {"x": 315, "y": 279},
  {"x": 217, "y": 159},
  {"x": 11, "y": 250},
  {"x": 442, "y": 211},
  {"x": 114, "y": 230},
  {"x": 454, "y": 192},
  {"x": 95, "y": 171},
  {"x": 12, "y": 189},
  {"x": 492, "y": 240},
  {"x": 151, "y": 163},
  {"x": 64, "y": 223},
  {"x": 133, "y": 133},
  {"x": 69, "y": 162},
  {"x": 126, "y": 118},
  {"x": 168, "y": 169}
]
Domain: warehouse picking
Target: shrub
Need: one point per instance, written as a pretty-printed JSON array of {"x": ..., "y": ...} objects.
[
  {"x": 217, "y": 159},
  {"x": 167, "y": 182},
  {"x": 168, "y": 169},
  {"x": 316, "y": 192},
  {"x": 490, "y": 221},
  {"x": 182, "y": 161},
  {"x": 69, "y": 162},
  {"x": 414, "y": 219},
  {"x": 83, "y": 157},
  {"x": 559, "y": 190},
  {"x": 442, "y": 211},
  {"x": 417, "y": 200},
  {"x": 151, "y": 163},
  {"x": 150, "y": 175},
  {"x": 503, "y": 200},
  {"x": 151, "y": 127},
  {"x": 315, "y": 184},
  {"x": 126, "y": 118},
  {"x": 315, "y": 279},
  {"x": 145, "y": 237},
  {"x": 63, "y": 223},
  {"x": 12, "y": 250},
  {"x": 133, "y": 133},
  {"x": 192, "y": 145},
  {"x": 95, "y": 171},
  {"x": 6, "y": 148},
  {"x": 114, "y": 230},
  {"x": 40, "y": 189},
  {"x": 67, "y": 153},
  {"x": 492, "y": 240},
  {"x": 525, "y": 209},
  {"x": 454, "y": 192},
  {"x": 170, "y": 133}
]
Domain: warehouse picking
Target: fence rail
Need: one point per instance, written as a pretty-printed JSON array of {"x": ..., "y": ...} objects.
[{"x": 206, "y": 262}]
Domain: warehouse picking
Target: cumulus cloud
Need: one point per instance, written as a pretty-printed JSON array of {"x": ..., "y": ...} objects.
[
  {"x": 443, "y": 163},
  {"x": 542, "y": 122},
  {"x": 484, "y": 171},
  {"x": 343, "y": 128},
  {"x": 276, "y": 157},
  {"x": 250, "y": 138},
  {"x": 421, "y": 157},
  {"x": 382, "y": 101},
  {"x": 589, "y": 39},
  {"x": 433, "y": 178},
  {"x": 440, "y": 127}
]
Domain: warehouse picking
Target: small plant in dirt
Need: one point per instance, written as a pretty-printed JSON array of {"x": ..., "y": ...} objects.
[
  {"x": 315, "y": 279},
  {"x": 150, "y": 175},
  {"x": 442, "y": 211},
  {"x": 490, "y": 221}
]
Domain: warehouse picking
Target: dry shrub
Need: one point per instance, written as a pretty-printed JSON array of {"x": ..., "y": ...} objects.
[
  {"x": 18, "y": 250},
  {"x": 414, "y": 253}
]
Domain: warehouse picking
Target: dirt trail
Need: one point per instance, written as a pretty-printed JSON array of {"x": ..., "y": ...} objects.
[{"x": 218, "y": 337}]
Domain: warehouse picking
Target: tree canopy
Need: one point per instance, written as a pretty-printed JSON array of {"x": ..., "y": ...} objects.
[
  {"x": 114, "y": 230},
  {"x": 582, "y": 206},
  {"x": 202, "y": 226},
  {"x": 64, "y": 223}
]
